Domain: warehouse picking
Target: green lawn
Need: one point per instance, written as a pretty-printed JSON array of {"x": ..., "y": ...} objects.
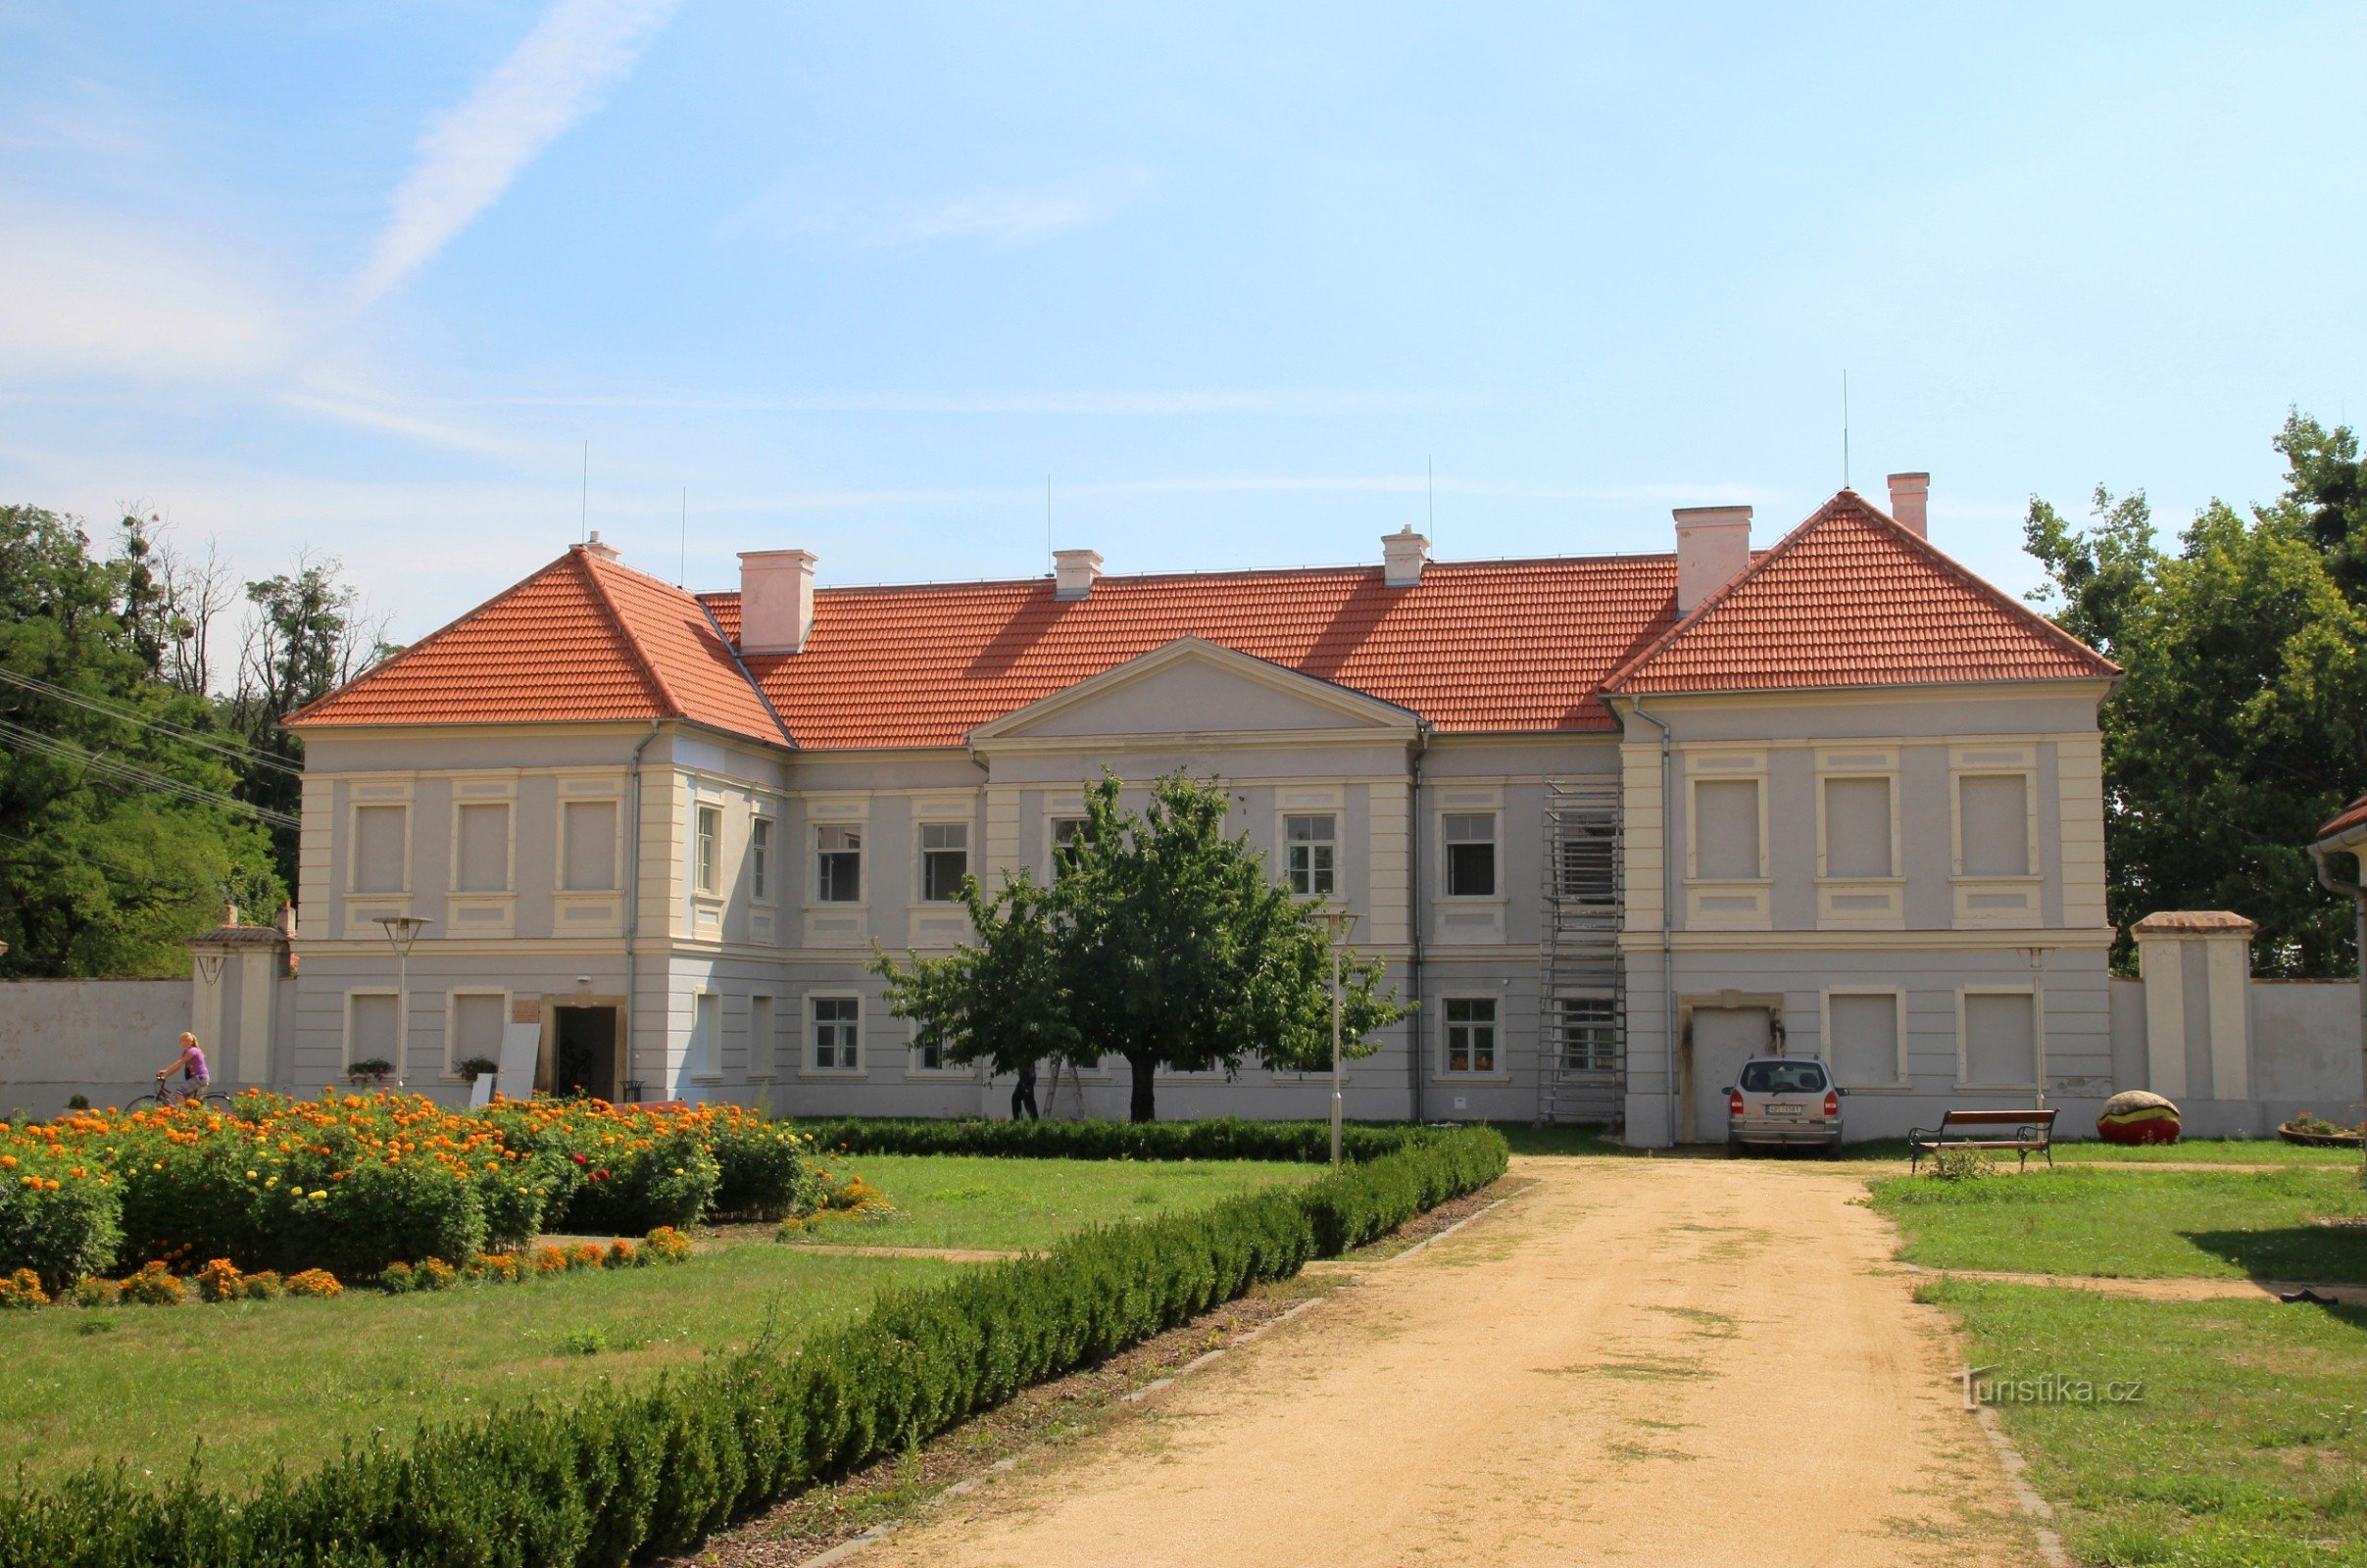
[
  {"x": 2247, "y": 1449},
  {"x": 2141, "y": 1224},
  {"x": 261, "y": 1381},
  {"x": 977, "y": 1201},
  {"x": 2191, "y": 1152}
]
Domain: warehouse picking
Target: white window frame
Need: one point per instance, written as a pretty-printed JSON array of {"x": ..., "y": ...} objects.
[
  {"x": 706, "y": 850},
  {"x": 1496, "y": 855},
  {"x": 2029, "y": 775},
  {"x": 770, "y": 1053},
  {"x": 1496, "y": 1024},
  {"x": 1556, "y": 1019},
  {"x": 1330, "y": 841},
  {"x": 1832, "y": 1055},
  {"x": 861, "y": 829},
  {"x": 452, "y": 1021},
  {"x": 508, "y": 809},
  {"x": 346, "y": 1059},
  {"x": 710, "y": 1070},
  {"x": 808, "y": 1044},
  {"x": 2038, "y": 1038},
  {"x": 558, "y": 843},
  {"x": 1757, "y": 776},
  {"x": 922, "y": 852},
  {"x": 914, "y": 1068},
  {"x": 1053, "y": 819},
  {"x": 1853, "y": 775},
  {"x": 764, "y": 852},
  {"x": 354, "y": 808}
]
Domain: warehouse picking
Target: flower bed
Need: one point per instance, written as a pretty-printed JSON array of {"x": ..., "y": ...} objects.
[{"x": 352, "y": 1183}]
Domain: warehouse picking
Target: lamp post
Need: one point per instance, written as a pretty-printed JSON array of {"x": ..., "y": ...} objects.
[
  {"x": 1336, "y": 924},
  {"x": 401, "y": 930}
]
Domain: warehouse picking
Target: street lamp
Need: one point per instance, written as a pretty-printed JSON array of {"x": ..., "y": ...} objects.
[
  {"x": 1336, "y": 924},
  {"x": 401, "y": 930}
]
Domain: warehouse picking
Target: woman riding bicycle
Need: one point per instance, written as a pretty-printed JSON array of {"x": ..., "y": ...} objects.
[{"x": 192, "y": 1064}]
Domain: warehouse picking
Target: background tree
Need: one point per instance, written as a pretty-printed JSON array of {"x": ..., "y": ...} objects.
[
  {"x": 2242, "y": 724},
  {"x": 1159, "y": 940}
]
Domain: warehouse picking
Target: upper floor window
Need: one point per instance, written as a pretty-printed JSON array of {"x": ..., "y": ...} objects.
[
  {"x": 380, "y": 839},
  {"x": 482, "y": 850},
  {"x": 1311, "y": 843},
  {"x": 838, "y": 864},
  {"x": 1470, "y": 1034},
  {"x": 1066, "y": 832},
  {"x": 587, "y": 853},
  {"x": 1857, "y": 827},
  {"x": 1470, "y": 856},
  {"x": 760, "y": 859},
  {"x": 944, "y": 860},
  {"x": 1992, "y": 824},
  {"x": 706, "y": 850},
  {"x": 1725, "y": 824}
]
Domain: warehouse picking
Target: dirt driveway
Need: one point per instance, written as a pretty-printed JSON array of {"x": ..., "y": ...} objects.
[{"x": 1670, "y": 1362}]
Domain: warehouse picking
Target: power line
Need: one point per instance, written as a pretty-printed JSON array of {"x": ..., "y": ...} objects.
[
  {"x": 18, "y": 738},
  {"x": 240, "y": 754}
]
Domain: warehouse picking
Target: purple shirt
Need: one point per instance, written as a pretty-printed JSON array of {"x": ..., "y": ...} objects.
[{"x": 193, "y": 1063}]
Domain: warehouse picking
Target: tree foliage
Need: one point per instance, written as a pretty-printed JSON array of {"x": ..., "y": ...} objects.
[
  {"x": 1159, "y": 940},
  {"x": 2242, "y": 724}
]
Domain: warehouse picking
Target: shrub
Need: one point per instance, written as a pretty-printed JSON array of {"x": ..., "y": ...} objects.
[
  {"x": 153, "y": 1286},
  {"x": 264, "y": 1286},
  {"x": 220, "y": 1281},
  {"x": 435, "y": 1274},
  {"x": 319, "y": 1283},
  {"x": 621, "y": 1254},
  {"x": 22, "y": 1289},
  {"x": 587, "y": 1255},
  {"x": 666, "y": 1244},
  {"x": 61, "y": 1212},
  {"x": 1962, "y": 1165},
  {"x": 500, "y": 1267},
  {"x": 1220, "y": 1138},
  {"x": 630, "y": 1474},
  {"x": 548, "y": 1260},
  {"x": 91, "y": 1291},
  {"x": 397, "y": 1279}
]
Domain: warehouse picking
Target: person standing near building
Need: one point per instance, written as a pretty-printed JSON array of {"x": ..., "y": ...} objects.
[{"x": 1024, "y": 1094}]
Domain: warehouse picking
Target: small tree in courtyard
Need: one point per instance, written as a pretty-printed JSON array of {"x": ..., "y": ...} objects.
[{"x": 1159, "y": 940}]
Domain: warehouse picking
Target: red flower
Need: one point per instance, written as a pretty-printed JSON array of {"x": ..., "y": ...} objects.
[
  {"x": 600, "y": 1175},
  {"x": 579, "y": 1159}
]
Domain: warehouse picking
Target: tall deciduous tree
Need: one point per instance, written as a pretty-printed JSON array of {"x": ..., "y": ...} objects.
[
  {"x": 2243, "y": 722},
  {"x": 1160, "y": 940}
]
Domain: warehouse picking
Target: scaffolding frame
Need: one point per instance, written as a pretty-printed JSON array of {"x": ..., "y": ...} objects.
[{"x": 1582, "y": 995}]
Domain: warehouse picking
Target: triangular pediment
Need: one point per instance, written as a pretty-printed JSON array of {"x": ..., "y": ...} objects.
[{"x": 1195, "y": 687}]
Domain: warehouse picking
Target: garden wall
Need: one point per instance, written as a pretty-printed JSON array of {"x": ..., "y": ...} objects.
[
  {"x": 2284, "y": 1045},
  {"x": 100, "y": 1037}
]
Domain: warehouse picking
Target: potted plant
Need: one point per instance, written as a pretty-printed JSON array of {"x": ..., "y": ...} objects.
[
  {"x": 373, "y": 1070},
  {"x": 471, "y": 1069}
]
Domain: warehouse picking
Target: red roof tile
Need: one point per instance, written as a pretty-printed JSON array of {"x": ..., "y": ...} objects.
[
  {"x": 582, "y": 639},
  {"x": 2353, "y": 816},
  {"x": 1849, "y": 598}
]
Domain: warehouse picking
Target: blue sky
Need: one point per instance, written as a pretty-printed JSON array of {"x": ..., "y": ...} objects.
[{"x": 366, "y": 277}]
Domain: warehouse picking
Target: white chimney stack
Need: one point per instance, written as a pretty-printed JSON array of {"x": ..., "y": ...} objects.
[
  {"x": 1074, "y": 572},
  {"x": 1402, "y": 555},
  {"x": 1910, "y": 499},
  {"x": 1713, "y": 548},
  {"x": 776, "y": 600},
  {"x": 600, "y": 547}
]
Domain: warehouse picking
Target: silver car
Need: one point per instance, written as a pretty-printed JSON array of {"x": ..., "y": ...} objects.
[{"x": 1783, "y": 1101}]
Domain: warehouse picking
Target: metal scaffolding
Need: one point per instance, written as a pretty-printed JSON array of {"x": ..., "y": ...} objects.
[{"x": 1582, "y": 1000}]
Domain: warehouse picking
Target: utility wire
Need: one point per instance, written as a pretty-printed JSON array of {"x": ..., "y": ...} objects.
[
  {"x": 98, "y": 705},
  {"x": 16, "y": 737}
]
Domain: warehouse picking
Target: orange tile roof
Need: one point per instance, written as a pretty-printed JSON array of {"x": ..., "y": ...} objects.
[
  {"x": 1849, "y": 598},
  {"x": 582, "y": 639},
  {"x": 1516, "y": 645},
  {"x": 2353, "y": 816}
]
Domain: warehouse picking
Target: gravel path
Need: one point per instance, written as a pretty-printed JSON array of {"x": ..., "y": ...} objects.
[{"x": 1668, "y": 1363}]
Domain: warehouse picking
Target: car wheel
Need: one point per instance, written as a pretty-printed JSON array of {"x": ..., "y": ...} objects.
[{"x": 1734, "y": 1147}]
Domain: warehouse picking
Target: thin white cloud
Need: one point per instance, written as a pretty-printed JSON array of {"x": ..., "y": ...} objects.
[
  {"x": 999, "y": 217},
  {"x": 468, "y": 154},
  {"x": 1282, "y": 400},
  {"x": 367, "y": 412}
]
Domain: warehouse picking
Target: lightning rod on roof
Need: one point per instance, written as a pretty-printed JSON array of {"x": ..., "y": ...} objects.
[
  {"x": 682, "y": 560},
  {"x": 1845, "y": 430},
  {"x": 583, "y": 499},
  {"x": 1048, "y": 556}
]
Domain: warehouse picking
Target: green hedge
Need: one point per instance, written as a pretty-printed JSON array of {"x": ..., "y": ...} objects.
[
  {"x": 1226, "y": 1137},
  {"x": 626, "y": 1475}
]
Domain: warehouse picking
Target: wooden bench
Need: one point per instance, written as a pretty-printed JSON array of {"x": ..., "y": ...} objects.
[{"x": 2025, "y": 1132}]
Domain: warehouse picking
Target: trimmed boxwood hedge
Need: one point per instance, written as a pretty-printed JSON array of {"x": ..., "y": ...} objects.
[
  {"x": 625, "y": 1475},
  {"x": 1224, "y": 1137}
]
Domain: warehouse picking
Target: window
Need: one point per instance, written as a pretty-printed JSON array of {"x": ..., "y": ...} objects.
[
  {"x": 1725, "y": 825},
  {"x": 1066, "y": 831},
  {"x": 1470, "y": 1034},
  {"x": 760, "y": 859},
  {"x": 369, "y": 1026},
  {"x": 589, "y": 855},
  {"x": 706, "y": 850},
  {"x": 706, "y": 1024},
  {"x": 931, "y": 1058},
  {"x": 378, "y": 835},
  {"x": 1590, "y": 1034},
  {"x": 1471, "y": 858},
  {"x": 1806, "y": 1076},
  {"x": 1857, "y": 827},
  {"x": 761, "y": 1038},
  {"x": 944, "y": 860},
  {"x": 1994, "y": 823},
  {"x": 2001, "y": 1043},
  {"x": 473, "y": 1027},
  {"x": 1310, "y": 842},
  {"x": 838, "y": 864},
  {"x": 836, "y": 1020},
  {"x": 483, "y": 849},
  {"x": 1862, "y": 1038}
]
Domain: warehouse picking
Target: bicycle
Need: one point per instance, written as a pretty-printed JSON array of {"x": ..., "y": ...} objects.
[{"x": 166, "y": 1097}]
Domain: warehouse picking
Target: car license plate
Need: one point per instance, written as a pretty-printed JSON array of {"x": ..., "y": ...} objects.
[{"x": 1777, "y": 1109}]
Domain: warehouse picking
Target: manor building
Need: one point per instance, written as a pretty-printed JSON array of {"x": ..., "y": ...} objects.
[{"x": 1617, "y": 822}]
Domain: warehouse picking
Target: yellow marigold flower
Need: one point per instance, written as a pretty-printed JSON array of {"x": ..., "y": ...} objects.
[
  {"x": 295, "y": 1192},
  {"x": 319, "y": 1193},
  {"x": 250, "y": 1176}
]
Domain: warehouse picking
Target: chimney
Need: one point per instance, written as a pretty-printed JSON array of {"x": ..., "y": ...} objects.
[
  {"x": 1402, "y": 555},
  {"x": 776, "y": 600},
  {"x": 1910, "y": 494},
  {"x": 594, "y": 544},
  {"x": 1713, "y": 548},
  {"x": 1074, "y": 572}
]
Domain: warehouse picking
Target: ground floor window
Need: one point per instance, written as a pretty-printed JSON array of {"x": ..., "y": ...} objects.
[
  {"x": 1863, "y": 1038},
  {"x": 836, "y": 1023},
  {"x": 1470, "y": 1034},
  {"x": 1590, "y": 1034},
  {"x": 1997, "y": 1039}
]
